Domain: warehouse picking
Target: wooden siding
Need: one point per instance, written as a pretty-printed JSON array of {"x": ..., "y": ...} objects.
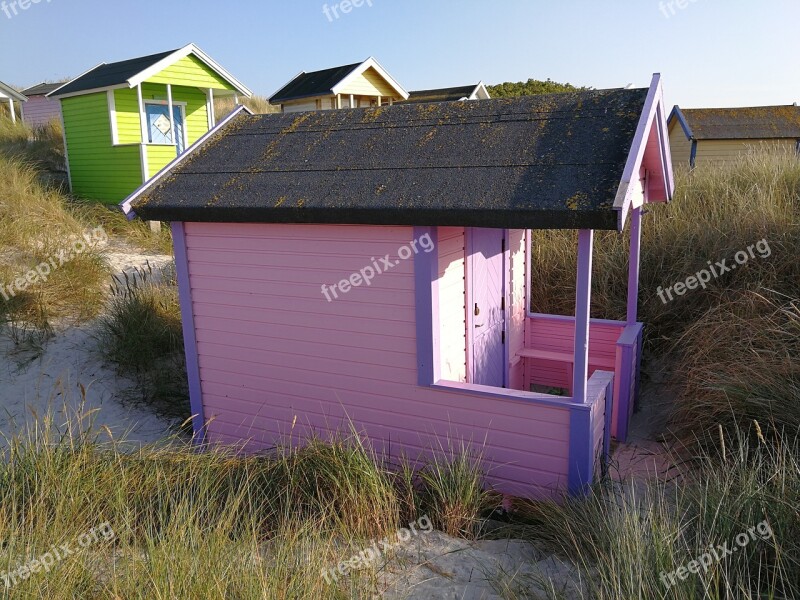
[
  {"x": 307, "y": 104},
  {"x": 279, "y": 362},
  {"x": 190, "y": 71},
  {"x": 129, "y": 129},
  {"x": 452, "y": 304},
  {"x": 98, "y": 170},
  {"x": 39, "y": 111},
  {"x": 517, "y": 307},
  {"x": 158, "y": 157},
  {"x": 370, "y": 83},
  {"x": 557, "y": 334},
  {"x": 680, "y": 145},
  {"x": 720, "y": 151}
]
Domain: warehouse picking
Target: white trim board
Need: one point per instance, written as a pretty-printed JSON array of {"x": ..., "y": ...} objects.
[
  {"x": 374, "y": 64},
  {"x": 165, "y": 62}
]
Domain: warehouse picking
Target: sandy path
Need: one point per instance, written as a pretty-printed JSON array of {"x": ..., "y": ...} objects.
[{"x": 70, "y": 377}]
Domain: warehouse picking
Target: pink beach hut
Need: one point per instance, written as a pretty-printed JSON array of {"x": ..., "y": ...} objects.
[{"x": 370, "y": 266}]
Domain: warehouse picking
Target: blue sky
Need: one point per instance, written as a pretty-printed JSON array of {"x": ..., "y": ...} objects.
[{"x": 710, "y": 52}]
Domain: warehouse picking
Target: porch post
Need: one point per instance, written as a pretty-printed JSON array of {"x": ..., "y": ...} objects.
[
  {"x": 634, "y": 265},
  {"x": 171, "y": 116},
  {"x": 211, "y": 114},
  {"x": 582, "y": 312},
  {"x": 11, "y": 107}
]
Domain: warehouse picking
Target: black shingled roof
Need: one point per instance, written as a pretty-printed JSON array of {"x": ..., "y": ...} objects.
[
  {"x": 441, "y": 94},
  {"x": 551, "y": 161},
  {"x": 41, "y": 89},
  {"x": 112, "y": 74},
  {"x": 316, "y": 83},
  {"x": 755, "y": 123}
]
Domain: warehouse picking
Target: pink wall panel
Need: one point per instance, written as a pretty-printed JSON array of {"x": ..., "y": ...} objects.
[
  {"x": 38, "y": 111},
  {"x": 278, "y": 361}
]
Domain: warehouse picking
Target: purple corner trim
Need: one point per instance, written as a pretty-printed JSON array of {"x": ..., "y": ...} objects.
[
  {"x": 426, "y": 295},
  {"x": 189, "y": 340}
]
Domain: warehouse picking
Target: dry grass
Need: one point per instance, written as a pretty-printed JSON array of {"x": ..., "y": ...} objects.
[
  {"x": 624, "y": 536},
  {"x": 188, "y": 524},
  {"x": 258, "y": 104},
  {"x": 37, "y": 225}
]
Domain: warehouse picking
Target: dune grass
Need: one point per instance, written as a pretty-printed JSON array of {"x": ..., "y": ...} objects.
[
  {"x": 630, "y": 538},
  {"x": 187, "y": 524},
  {"x": 140, "y": 332},
  {"x": 37, "y": 226},
  {"x": 257, "y": 104}
]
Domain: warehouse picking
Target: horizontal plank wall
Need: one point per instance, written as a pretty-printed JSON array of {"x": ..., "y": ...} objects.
[
  {"x": 98, "y": 170},
  {"x": 369, "y": 83},
  {"x": 680, "y": 145},
  {"x": 452, "y": 304},
  {"x": 717, "y": 151},
  {"x": 279, "y": 362},
  {"x": 39, "y": 111}
]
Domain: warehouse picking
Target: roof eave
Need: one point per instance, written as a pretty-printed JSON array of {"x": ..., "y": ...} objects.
[
  {"x": 604, "y": 219},
  {"x": 188, "y": 49},
  {"x": 367, "y": 64},
  {"x": 13, "y": 93},
  {"x": 677, "y": 113},
  {"x": 126, "y": 205},
  {"x": 652, "y": 115}
]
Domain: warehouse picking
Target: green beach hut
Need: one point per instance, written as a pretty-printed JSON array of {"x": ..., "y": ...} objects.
[{"x": 125, "y": 121}]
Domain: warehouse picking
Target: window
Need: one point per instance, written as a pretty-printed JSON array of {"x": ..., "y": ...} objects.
[{"x": 161, "y": 130}]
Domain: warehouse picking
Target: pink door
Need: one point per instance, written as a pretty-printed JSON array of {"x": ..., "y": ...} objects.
[{"x": 487, "y": 307}]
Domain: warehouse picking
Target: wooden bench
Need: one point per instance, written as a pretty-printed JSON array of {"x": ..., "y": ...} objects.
[{"x": 564, "y": 357}]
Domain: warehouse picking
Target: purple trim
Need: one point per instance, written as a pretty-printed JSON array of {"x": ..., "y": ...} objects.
[
  {"x": 507, "y": 304},
  {"x": 631, "y": 173},
  {"x": 426, "y": 293},
  {"x": 607, "y": 431},
  {"x": 634, "y": 265},
  {"x": 581, "y": 463},
  {"x": 486, "y": 391},
  {"x": 583, "y": 298},
  {"x": 677, "y": 113},
  {"x": 125, "y": 205},
  {"x": 189, "y": 340},
  {"x": 632, "y": 335}
]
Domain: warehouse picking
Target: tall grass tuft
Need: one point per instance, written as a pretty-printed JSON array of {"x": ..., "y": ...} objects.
[
  {"x": 452, "y": 490},
  {"x": 37, "y": 225},
  {"x": 625, "y": 536},
  {"x": 141, "y": 333},
  {"x": 257, "y": 104},
  {"x": 189, "y": 524}
]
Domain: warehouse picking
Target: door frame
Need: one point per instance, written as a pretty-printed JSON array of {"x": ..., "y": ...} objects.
[{"x": 469, "y": 320}]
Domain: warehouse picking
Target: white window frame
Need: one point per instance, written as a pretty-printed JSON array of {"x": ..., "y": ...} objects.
[{"x": 182, "y": 106}]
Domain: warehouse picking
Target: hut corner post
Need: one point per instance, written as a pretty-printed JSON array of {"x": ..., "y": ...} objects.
[
  {"x": 581, "y": 455},
  {"x": 189, "y": 338}
]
